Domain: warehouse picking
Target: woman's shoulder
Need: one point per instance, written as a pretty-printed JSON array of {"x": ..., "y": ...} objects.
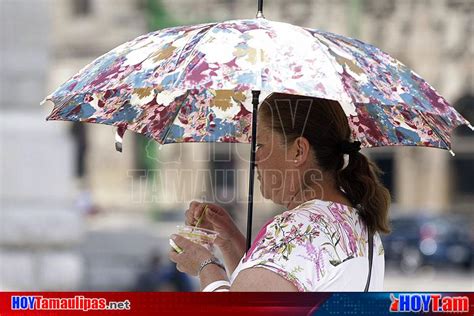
[
  {"x": 335, "y": 228},
  {"x": 319, "y": 211}
]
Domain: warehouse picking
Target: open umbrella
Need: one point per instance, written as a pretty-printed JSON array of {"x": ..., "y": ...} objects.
[{"x": 195, "y": 83}]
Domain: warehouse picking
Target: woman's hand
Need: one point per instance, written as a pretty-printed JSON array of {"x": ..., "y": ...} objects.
[
  {"x": 218, "y": 220},
  {"x": 190, "y": 259},
  {"x": 230, "y": 241}
]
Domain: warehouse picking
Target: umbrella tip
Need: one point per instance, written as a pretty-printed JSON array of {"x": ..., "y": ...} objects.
[
  {"x": 160, "y": 146},
  {"x": 470, "y": 126},
  {"x": 119, "y": 138},
  {"x": 48, "y": 98},
  {"x": 260, "y": 10},
  {"x": 118, "y": 146},
  {"x": 452, "y": 153}
]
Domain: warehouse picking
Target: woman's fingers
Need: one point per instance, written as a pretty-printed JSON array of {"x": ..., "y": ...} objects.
[
  {"x": 173, "y": 255},
  {"x": 211, "y": 216},
  {"x": 189, "y": 217},
  {"x": 215, "y": 215},
  {"x": 194, "y": 208},
  {"x": 190, "y": 214},
  {"x": 192, "y": 255},
  {"x": 182, "y": 242},
  {"x": 198, "y": 210},
  {"x": 194, "y": 212},
  {"x": 194, "y": 203}
]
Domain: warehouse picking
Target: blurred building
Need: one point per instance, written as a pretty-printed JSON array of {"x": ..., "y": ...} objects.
[
  {"x": 39, "y": 229},
  {"x": 43, "y": 43}
]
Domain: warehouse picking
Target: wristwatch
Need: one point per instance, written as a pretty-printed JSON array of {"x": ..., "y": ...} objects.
[{"x": 212, "y": 260}]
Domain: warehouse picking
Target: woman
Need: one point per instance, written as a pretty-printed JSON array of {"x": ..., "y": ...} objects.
[{"x": 307, "y": 162}]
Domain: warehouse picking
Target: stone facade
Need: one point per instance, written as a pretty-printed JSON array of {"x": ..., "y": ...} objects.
[
  {"x": 39, "y": 228},
  {"x": 42, "y": 45}
]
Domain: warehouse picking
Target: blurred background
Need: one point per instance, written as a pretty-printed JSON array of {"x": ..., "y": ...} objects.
[{"x": 77, "y": 215}]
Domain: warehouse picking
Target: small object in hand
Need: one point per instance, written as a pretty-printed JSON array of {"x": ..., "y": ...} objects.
[
  {"x": 175, "y": 247},
  {"x": 202, "y": 236},
  {"x": 201, "y": 217}
]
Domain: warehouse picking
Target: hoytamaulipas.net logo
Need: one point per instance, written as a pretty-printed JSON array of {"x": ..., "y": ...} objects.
[
  {"x": 428, "y": 303},
  {"x": 77, "y": 302}
]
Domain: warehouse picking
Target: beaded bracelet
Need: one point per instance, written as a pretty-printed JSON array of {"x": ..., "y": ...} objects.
[{"x": 212, "y": 260}]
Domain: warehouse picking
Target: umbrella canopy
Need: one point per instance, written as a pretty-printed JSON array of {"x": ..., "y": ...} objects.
[
  {"x": 194, "y": 83},
  {"x": 197, "y": 84}
]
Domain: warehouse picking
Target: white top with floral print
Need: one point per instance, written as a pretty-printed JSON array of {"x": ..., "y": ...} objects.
[{"x": 317, "y": 246}]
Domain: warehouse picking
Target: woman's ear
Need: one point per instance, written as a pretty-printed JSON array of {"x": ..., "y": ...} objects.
[{"x": 301, "y": 150}]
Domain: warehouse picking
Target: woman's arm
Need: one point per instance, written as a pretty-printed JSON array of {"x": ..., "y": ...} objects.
[
  {"x": 211, "y": 273},
  {"x": 233, "y": 251},
  {"x": 248, "y": 280},
  {"x": 261, "y": 280},
  {"x": 194, "y": 255}
]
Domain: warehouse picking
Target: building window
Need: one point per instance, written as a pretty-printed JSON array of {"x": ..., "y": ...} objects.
[
  {"x": 386, "y": 164},
  {"x": 465, "y": 106},
  {"x": 463, "y": 175},
  {"x": 81, "y": 7}
]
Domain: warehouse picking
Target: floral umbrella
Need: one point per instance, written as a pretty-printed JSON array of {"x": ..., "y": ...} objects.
[{"x": 198, "y": 84}]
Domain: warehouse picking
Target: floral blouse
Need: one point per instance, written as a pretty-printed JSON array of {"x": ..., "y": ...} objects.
[{"x": 317, "y": 246}]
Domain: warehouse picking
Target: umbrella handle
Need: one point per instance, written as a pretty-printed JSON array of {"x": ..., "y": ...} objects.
[{"x": 255, "y": 101}]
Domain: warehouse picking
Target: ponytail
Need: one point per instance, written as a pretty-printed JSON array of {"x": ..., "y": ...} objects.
[{"x": 360, "y": 180}]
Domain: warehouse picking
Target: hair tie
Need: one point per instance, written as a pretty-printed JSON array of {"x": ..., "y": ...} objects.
[{"x": 347, "y": 147}]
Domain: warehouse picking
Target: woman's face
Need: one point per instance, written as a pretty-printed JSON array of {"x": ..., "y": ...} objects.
[{"x": 273, "y": 164}]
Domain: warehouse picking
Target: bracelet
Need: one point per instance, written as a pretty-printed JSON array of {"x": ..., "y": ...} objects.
[
  {"x": 211, "y": 287},
  {"x": 212, "y": 260}
]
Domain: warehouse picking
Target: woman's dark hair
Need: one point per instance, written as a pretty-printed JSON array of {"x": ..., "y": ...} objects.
[{"x": 324, "y": 124}]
